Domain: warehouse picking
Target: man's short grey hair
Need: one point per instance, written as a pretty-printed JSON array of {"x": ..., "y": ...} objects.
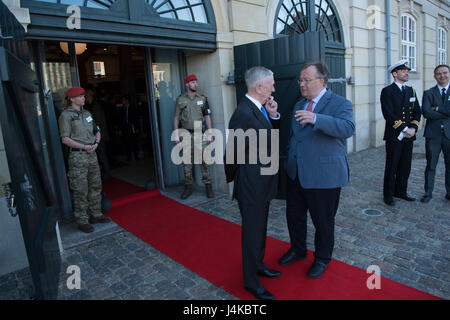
[{"x": 255, "y": 75}]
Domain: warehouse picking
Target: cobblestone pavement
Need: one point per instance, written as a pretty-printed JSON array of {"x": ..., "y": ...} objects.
[{"x": 410, "y": 242}]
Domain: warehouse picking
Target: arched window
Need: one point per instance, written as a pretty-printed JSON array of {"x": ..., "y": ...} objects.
[
  {"x": 442, "y": 46},
  {"x": 185, "y": 10},
  {"x": 299, "y": 16},
  {"x": 409, "y": 40}
]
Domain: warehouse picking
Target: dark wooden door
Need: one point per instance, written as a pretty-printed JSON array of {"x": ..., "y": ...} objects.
[
  {"x": 284, "y": 56},
  {"x": 29, "y": 164}
]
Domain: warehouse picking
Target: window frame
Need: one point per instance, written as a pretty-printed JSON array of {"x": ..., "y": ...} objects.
[
  {"x": 410, "y": 41},
  {"x": 442, "y": 45}
]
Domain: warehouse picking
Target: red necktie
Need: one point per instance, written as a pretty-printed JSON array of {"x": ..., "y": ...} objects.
[{"x": 309, "y": 107}]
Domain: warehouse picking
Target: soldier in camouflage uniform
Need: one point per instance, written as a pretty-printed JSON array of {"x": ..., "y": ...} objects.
[
  {"x": 79, "y": 132},
  {"x": 189, "y": 108}
]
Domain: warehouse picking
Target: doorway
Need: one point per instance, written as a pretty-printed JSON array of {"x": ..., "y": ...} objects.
[
  {"x": 116, "y": 95},
  {"x": 148, "y": 79}
]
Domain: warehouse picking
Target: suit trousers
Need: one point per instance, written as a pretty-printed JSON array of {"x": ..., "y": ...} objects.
[
  {"x": 433, "y": 147},
  {"x": 254, "y": 229},
  {"x": 397, "y": 169},
  {"x": 322, "y": 205}
]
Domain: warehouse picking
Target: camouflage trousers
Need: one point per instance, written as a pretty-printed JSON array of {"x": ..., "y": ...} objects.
[
  {"x": 189, "y": 168},
  {"x": 86, "y": 184}
]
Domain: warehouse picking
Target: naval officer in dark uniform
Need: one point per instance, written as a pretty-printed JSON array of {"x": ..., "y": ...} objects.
[{"x": 402, "y": 112}]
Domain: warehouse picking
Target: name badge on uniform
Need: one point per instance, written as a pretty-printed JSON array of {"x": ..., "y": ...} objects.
[
  {"x": 199, "y": 103},
  {"x": 89, "y": 119},
  {"x": 413, "y": 99},
  {"x": 448, "y": 98}
]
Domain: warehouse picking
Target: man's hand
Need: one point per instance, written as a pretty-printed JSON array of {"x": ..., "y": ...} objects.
[
  {"x": 409, "y": 133},
  {"x": 209, "y": 139},
  {"x": 271, "y": 107},
  {"x": 305, "y": 117}
]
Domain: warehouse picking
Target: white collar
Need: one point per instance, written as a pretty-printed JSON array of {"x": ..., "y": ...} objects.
[
  {"x": 400, "y": 85},
  {"x": 256, "y": 102},
  {"x": 446, "y": 88}
]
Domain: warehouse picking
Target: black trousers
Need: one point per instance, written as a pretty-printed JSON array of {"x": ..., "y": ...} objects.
[
  {"x": 322, "y": 205},
  {"x": 397, "y": 168},
  {"x": 102, "y": 155},
  {"x": 254, "y": 230},
  {"x": 433, "y": 149}
]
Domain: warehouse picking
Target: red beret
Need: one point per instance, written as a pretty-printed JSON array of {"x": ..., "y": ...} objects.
[
  {"x": 192, "y": 77},
  {"x": 75, "y": 92}
]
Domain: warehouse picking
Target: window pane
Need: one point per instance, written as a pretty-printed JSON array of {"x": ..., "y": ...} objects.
[
  {"x": 199, "y": 14},
  {"x": 179, "y": 3},
  {"x": 184, "y": 14},
  {"x": 73, "y": 2},
  {"x": 181, "y": 9}
]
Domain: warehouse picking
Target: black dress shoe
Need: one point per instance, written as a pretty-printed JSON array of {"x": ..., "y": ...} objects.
[
  {"x": 290, "y": 257},
  {"x": 405, "y": 197},
  {"x": 389, "y": 202},
  {"x": 260, "y": 293},
  {"x": 426, "y": 198},
  {"x": 317, "y": 269},
  {"x": 269, "y": 273}
]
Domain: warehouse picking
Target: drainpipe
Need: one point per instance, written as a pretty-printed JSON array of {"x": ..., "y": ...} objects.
[{"x": 388, "y": 37}]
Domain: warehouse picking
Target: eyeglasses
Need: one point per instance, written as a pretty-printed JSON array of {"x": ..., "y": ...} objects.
[{"x": 306, "y": 80}]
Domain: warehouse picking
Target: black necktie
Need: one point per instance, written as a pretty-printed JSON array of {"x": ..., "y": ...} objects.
[{"x": 443, "y": 95}]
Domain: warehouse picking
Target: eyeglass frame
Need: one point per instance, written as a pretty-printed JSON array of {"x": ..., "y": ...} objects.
[{"x": 307, "y": 81}]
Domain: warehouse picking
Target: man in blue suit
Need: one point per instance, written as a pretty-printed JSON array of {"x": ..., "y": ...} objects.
[{"x": 317, "y": 165}]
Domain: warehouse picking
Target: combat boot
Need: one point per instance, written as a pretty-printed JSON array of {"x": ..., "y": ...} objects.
[
  {"x": 86, "y": 228},
  {"x": 187, "y": 191},
  {"x": 209, "y": 191},
  {"x": 100, "y": 219}
]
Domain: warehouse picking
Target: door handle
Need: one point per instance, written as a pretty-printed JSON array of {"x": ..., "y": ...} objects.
[{"x": 10, "y": 199}]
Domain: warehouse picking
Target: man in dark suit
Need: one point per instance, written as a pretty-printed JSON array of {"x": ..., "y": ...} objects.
[
  {"x": 317, "y": 166},
  {"x": 256, "y": 113},
  {"x": 436, "y": 109},
  {"x": 401, "y": 110},
  {"x": 129, "y": 128}
]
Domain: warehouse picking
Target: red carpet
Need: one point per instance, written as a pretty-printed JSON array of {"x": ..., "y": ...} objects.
[
  {"x": 211, "y": 247},
  {"x": 116, "y": 188}
]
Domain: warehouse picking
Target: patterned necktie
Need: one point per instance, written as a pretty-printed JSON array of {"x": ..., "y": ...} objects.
[
  {"x": 264, "y": 112},
  {"x": 443, "y": 95},
  {"x": 309, "y": 107}
]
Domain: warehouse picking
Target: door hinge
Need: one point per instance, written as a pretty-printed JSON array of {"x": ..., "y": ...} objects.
[{"x": 10, "y": 200}]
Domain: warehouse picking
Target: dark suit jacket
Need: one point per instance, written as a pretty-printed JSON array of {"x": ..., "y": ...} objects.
[
  {"x": 436, "y": 112},
  {"x": 130, "y": 127},
  {"x": 400, "y": 111},
  {"x": 249, "y": 185}
]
